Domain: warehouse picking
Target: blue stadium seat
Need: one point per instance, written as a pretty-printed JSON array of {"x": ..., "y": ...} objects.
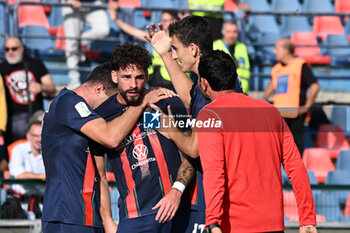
[
  {"x": 343, "y": 160},
  {"x": 286, "y": 5},
  {"x": 56, "y": 17},
  {"x": 318, "y": 6},
  {"x": 341, "y": 116},
  {"x": 2, "y": 26},
  {"x": 265, "y": 53},
  {"x": 260, "y": 24},
  {"x": 163, "y": 3},
  {"x": 258, "y": 5},
  {"x": 327, "y": 205},
  {"x": 312, "y": 177},
  {"x": 290, "y": 24},
  {"x": 44, "y": 45},
  {"x": 341, "y": 177},
  {"x": 340, "y": 56}
]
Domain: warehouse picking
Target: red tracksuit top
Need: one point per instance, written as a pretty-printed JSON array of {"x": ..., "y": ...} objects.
[{"x": 242, "y": 166}]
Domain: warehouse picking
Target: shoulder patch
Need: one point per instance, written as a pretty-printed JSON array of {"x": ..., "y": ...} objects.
[{"x": 82, "y": 109}]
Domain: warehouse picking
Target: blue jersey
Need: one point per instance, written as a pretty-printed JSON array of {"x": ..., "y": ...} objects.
[
  {"x": 71, "y": 190},
  {"x": 145, "y": 164},
  {"x": 198, "y": 101}
]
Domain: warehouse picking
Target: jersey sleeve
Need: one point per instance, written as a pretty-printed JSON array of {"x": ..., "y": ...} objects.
[
  {"x": 295, "y": 169},
  {"x": 73, "y": 112},
  {"x": 307, "y": 77},
  {"x": 211, "y": 148},
  {"x": 41, "y": 68},
  {"x": 97, "y": 149}
]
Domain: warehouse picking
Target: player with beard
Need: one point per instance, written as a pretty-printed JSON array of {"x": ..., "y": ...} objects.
[
  {"x": 145, "y": 164},
  {"x": 25, "y": 78}
]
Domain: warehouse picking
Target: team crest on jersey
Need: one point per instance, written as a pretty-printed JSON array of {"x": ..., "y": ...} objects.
[
  {"x": 82, "y": 109},
  {"x": 140, "y": 152}
]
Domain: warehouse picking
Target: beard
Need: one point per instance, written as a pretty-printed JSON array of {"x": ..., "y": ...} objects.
[
  {"x": 14, "y": 61},
  {"x": 132, "y": 100}
]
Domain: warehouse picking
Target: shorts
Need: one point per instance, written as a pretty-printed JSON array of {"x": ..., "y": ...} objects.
[
  {"x": 143, "y": 225},
  {"x": 59, "y": 227},
  {"x": 197, "y": 222}
]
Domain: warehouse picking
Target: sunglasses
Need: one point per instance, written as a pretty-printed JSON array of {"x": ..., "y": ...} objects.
[{"x": 11, "y": 48}]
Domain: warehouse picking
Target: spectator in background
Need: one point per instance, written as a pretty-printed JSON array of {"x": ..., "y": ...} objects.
[
  {"x": 26, "y": 161},
  {"x": 158, "y": 75},
  {"x": 215, "y": 20},
  {"x": 26, "y": 80},
  {"x": 237, "y": 50},
  {"x": 3, "y": 122},
  {"x": 291, "y": 79},
  {"x": 74, "y": 19},
  {"x": 242, "y": 159}
]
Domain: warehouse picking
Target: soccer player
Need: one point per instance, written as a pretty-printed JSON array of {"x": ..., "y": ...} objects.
[
  {"x": 189, "y": 38},
  {"x": 71, "y": 202},
  {"x": 242, "y": 159},
  {"x": 145, "y": 163}
]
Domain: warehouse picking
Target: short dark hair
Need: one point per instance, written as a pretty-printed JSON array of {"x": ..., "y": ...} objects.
[
  {"x": 232, "y": 22},
  {"x": 193, "y": 29},
  {"x": 131, "y": 54},
  {"x": 36, "y": 122},
  {"x": 219, "y": 69},
  {"x": 172, "y": 13},
  {"x": 102, "y": 74}
]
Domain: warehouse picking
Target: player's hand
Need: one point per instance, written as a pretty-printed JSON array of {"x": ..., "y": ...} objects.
[
  {"x": 168, "y": 206},
  {"x": 159, "y": 39},
  {"x": 112, "y": 10},
  {"x": 35, "y": 87},
  {"x": 303, "y": 110},
  {"x": 307, "y": 229},
  {"x": 155, "y": 95},
  {"x": 168, "y": 119},
  {"x": 216, "y": 230},
  {"x": 110, "y": 226}
]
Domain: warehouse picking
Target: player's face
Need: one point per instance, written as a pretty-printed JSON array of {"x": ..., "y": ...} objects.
[
  {"x": 166, "y": 20},
  {"x": 183, "y": 55},
  {"x": 34, "y": 137},
  {"x": 230, "y": 33},
  {"x": 13, "y": 51},
  {"x": 280, "y": 51},
  {"x": 131, "y": 82}
]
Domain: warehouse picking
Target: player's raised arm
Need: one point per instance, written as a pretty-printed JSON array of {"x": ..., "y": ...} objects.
[{"x": 110, "y": 134}]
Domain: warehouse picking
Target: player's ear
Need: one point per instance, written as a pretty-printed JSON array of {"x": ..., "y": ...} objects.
[
  {"x": 195, "y": 51},
  {"x": 99, "y": 88},
  {"x": 114, "y": 76},
  {"x": 204, "y": 84}
]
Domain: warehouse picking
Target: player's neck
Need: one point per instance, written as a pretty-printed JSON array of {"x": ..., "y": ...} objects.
[{"x": 216, "y": 94}]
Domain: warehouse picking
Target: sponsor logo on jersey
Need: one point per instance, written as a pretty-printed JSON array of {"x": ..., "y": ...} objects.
[{"x": 82, "y": 109}]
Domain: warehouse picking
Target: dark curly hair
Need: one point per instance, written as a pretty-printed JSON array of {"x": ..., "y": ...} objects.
[{"x": 131, "y": 54}]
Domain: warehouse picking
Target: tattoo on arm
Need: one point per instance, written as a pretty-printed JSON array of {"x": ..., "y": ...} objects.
[{"x": 186, "y": 172}]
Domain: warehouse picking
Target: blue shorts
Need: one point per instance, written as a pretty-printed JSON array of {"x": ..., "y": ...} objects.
[
  {"x": 59, "y": 227},
  {"x": 196, "y": 222},
  {"x": 143, "y": 225}
]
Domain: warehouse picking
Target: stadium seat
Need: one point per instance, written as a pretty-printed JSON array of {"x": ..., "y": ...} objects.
[
  {"x": 60, "y": 44},
  {"x": 286, "y": 5},
  {"x": 266, "y": 53},
  {"x": 129, "y": 3},
  {"x": 31, "y": 15},
  {"x": 342, "y": 6},
  {"x": 343, "y": 160},
  {"x": 164, "y": 3},
  {"x": 2, "y": 26},
  {"x": 332, "y": 137},
  {"x": 341, "y": 177},
  {"x": 56, "y": 17},
  {"x": 290, "y": 206},
  {"x": 340, "y": 116},
  {"x": 12, "y": 145},
  {"x": 318, "y": 6},
  {"x": 230, "y": 6},
  {"x": 312, "y": 177},
  {"x": 328, "y": 206},
  {"x": 347, "y": 207},
  {"x": 291, "y": 24},
  {"x": 311, "y": 53},
  {"x": 319, "y": 161},
  {"x": 258, "y": 5},
  {"x": 259, "y": 24},
  {"x": 41, "y": 44},
  {"x": 341, "y": 55},
  {"x": 325, "y": 25}
]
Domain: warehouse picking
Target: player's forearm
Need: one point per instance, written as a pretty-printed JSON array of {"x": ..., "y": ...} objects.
[
  {"x": 186, "y": 142},
  {"x": 181, "y": 82},
  {"x": 268, "y": 92},
  {"x": 186, "y": 172}
]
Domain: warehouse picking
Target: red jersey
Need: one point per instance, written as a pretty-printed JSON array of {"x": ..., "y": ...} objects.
[{"x": 241, "y": 163}]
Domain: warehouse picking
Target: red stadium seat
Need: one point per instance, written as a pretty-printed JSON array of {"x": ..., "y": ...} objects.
[
  {"x": 13, "y": 144},
  {"x": 332, "y": 137},
  {"x": 60, "y": 44},
  {"x": 319, "y": 161},
  {"x": 290, "y": 206},
  {"x": 347, "y": 207},
  {"x": 230, "y": 6},
  {"x": 31, "y": 15},
  {"x": 129, "y": 3},
  {"x": 325, "y": 25},
  {"x": 320, "y": 218},
  {"x": 311, "y": 53},
  {"x": 342, "y": 6}
]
